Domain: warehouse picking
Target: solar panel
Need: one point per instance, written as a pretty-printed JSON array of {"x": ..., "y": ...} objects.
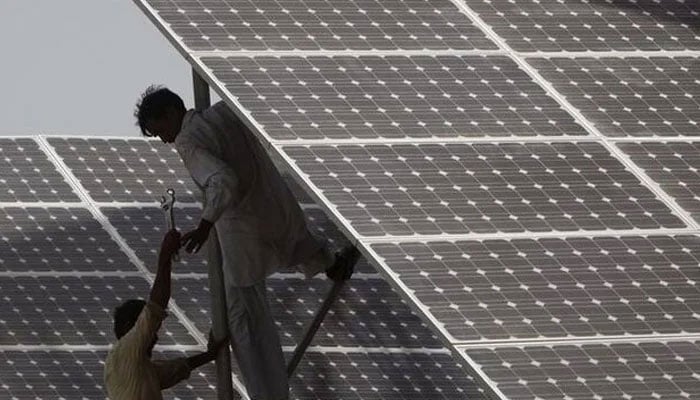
[
  {"x": 314, "y": 25},
  {"x": 656, "y": 370},
  {"x": 337, "y": 375},
  {"x": 126, "y": 170},
  {"x": 368, "y": 313},
  {"x": 134, "y": 170},
  {"x": 581, "y": 25},
  {"x": 57, "y": 239},
  {"x": 674, "y": 166},
  {"x": 391, "y": 97},
  {"x": 26, "y": 174},
  {"x": 143, "y": 229},
  {"x": 633, "y": 96},
  {"x": 78, "y": 375},
  {"x": 460, "y": 188},
  {"x": 554, "y": 288},
  {"x": 71, "y": 310}
]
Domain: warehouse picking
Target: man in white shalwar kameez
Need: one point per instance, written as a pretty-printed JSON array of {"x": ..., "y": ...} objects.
[{"x": 253, "y": 221}]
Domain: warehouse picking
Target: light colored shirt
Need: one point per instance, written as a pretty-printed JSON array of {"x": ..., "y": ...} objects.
[
  {"x": 259, "y": 224},
  {"x": 130, "y": 374}
]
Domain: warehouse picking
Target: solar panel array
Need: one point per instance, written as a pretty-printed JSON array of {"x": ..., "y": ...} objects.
[
  {"x": 65, "y": 265},
  {"x": 521, "y": 172}
]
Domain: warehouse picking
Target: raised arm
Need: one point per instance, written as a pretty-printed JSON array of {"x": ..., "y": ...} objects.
[{"x": 160, "y": 292}]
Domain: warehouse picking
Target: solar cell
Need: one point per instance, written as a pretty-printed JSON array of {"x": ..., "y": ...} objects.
[
  {"x": 462, "y": 188},
  {"x": 381, "y": 376},
  {"x": 633, "y": 96},
  {"x": 78, "y": 375},
  {"x": 391, "y": 97},
  {"x": 321, "y": 25},
  {"x": 674, "y": 166},
  {"x": 126, "y": 170},
  {"x": 367, "y": 313},
  {"x": 558, "y": 287},
  {"x": 584, "y": 25},
  {"x": 589, "y": 371},
  {"x": 144, "y": 228},
  {"x": 26, "y": 174},
  {"x": 57, "y": 239},
  {"x": 71, "y": 310}
]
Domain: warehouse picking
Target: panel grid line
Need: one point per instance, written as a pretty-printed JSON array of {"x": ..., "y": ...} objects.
[
  {"x": 364, "y": 141},
  {"x": 42, "y": 204},
  {"x": 654, "y": 139},
  {"x": 609, "y": 53},
  {"x": 409, "y": 53},
  {"x": 175, "y": 275},
  {"x": 353, "y": 53},
  {"x": 527, "y": 235},
  {"x": 666, "y": 337},
  {"x": 441, "y": 140},
  {"x": 178, "y": 205},
  {"x": 71, "y": 274},
  {"x": 86, "y": 347},
  {"x": 193, "y": 348}
]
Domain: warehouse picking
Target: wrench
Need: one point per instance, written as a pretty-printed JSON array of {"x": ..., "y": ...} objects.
[{"x": 167, "y": 203}]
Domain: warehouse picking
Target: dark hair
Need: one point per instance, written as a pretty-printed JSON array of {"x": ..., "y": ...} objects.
[
  {"x": 154, "y": 103},
  {"x": 125, "y": 316}
]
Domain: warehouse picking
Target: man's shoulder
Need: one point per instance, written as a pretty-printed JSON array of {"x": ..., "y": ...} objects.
[
  {"x": 116, "y": 357},
  {"x": 221, "y": 111}
]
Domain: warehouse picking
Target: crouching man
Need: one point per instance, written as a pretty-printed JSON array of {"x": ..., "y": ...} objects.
[{"x": 130, "y": 374}]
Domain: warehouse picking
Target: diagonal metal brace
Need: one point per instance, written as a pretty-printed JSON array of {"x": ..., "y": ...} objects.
[{"x": 313, "y": 327}]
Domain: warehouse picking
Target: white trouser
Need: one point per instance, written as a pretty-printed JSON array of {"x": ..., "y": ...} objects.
[
  {"x": 254, "y": 337},
  {"x": 256, "y": 343}
]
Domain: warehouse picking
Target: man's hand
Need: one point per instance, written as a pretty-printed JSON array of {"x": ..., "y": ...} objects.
[
  {"x": 213, "y": 348},
  {"x": 214, "y": 345},
  {"x": 194, "y": 240},
  {"x": 170, "y": 244}
]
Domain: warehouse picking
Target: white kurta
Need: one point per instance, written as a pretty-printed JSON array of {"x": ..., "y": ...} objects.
[{"x": 259, "y": 224}]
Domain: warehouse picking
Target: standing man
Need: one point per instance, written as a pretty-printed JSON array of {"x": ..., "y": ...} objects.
[{"x": 253, "y": 221}]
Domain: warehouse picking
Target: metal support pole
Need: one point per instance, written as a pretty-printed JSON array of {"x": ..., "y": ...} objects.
[
  {"x": 201, "y": 91},
  {"x": 219, "y": 311},
  {"x": 313, "y": 327}
]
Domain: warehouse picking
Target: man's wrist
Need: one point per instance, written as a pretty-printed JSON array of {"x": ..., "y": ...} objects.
[{"x": 205, "y": 225}]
